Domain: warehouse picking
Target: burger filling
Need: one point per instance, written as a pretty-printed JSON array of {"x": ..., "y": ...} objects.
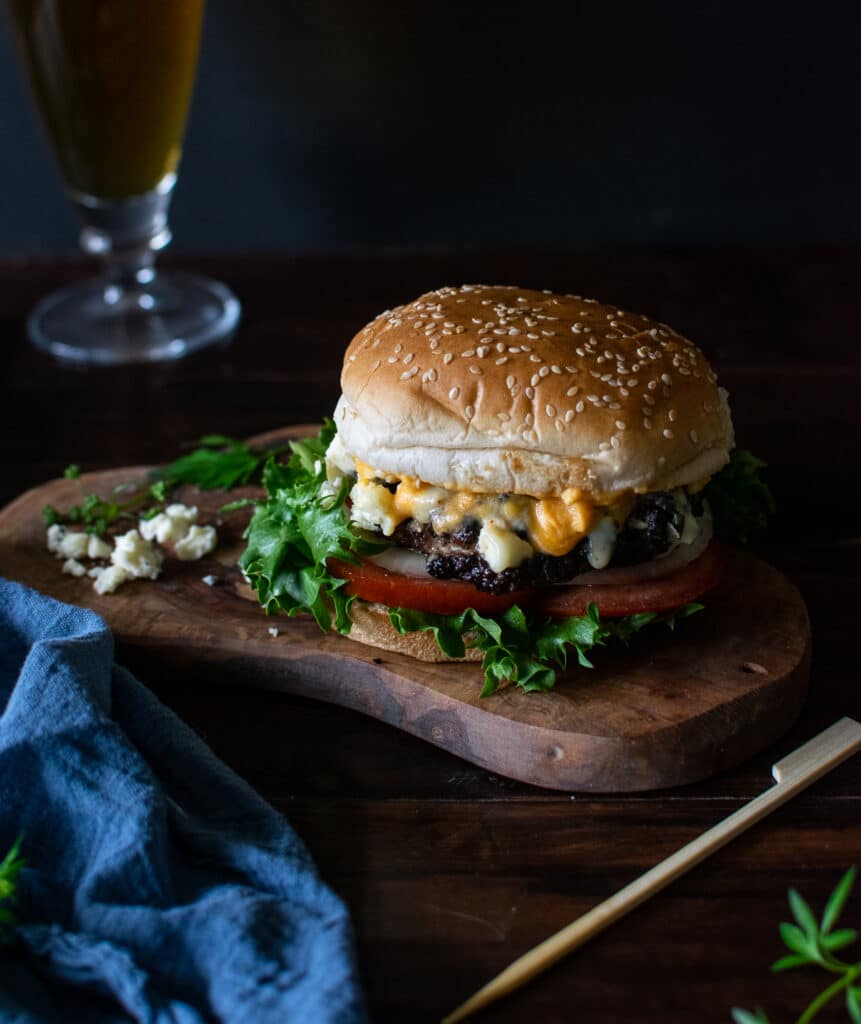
[{"x": 501, "y": 543}]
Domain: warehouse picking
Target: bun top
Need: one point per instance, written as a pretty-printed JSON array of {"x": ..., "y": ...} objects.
[{"x": 501, "y": 389}]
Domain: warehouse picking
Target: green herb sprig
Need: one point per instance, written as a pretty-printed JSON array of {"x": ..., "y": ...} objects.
[
  {"x": 813, "y": 942},
  {"x": 10, "y": 868},
  {"x": 217, "y": 462}
]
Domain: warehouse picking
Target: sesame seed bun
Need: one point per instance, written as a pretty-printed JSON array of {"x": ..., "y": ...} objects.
[
  {"x": 501, "y": 389},
  {"x": 372, "y": 626}
]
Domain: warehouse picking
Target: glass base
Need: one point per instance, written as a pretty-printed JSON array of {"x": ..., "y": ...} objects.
[{"x": 156, "y": 316}]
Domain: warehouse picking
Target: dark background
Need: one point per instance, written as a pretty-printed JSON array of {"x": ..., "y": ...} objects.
[{"x": 340, "y": 123}]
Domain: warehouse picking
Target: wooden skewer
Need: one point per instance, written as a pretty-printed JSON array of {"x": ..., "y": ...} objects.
[{"x": 792, "y": 774}]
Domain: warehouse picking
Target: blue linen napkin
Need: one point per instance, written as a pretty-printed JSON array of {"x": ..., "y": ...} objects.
[{"x": 159, "y": 887}]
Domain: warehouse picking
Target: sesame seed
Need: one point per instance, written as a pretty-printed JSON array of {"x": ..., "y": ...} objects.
[
  {"x": 407, "y": 374},
  {"x": 397, "y": 348},
  {"x": 580, "y": 406},
  {"x": 525, "y": 348},
  {"x": 571, "y": 392},
  {"x": 535, "y": 358},
  {"x": 469, "y": 411},
  {"x": 528, "y": 418},
  {"x": 477, "y": 370},
  {"x": 544, "y": 372},
  {"x": 647, "y": 423},
  {"x": 468, "y": 353},
  {"x": 668, "y": 434},
  {"x": 603, "y": 446},
  {"x": 560, "y": 426},
  {"x": 503, "y": 417},
  {"x": 482, "y": 351},
  {"x": 672, "y": 415},
  {"x": 620, "y": 424},
  {"x": 533, "y": 337},
  {"x": 500, "y": 330},
  {"x": 434, "y": 344},
  {"x": 431, "y": 374},
  {"x": 651, "y": 386},
  {"x": 624, "y": 392},
  {"x": 615, "y": 405},
  {"x": 530, "y": 393},
  {"x": 667, "y": 379},
  {"x": 513, "y": 349},
  {"x": 513, "y": 330},
  {"x": 555, "y": 369},
  {"x": 573, "y": 369},
  {"x": 535, "y": 379},
  {"x": 501, "y": 360},
  {"x": 447, "y": 358},
  {"x": 500, "y": 346},
  {"x": 632, "y": 382},
  {"x": 454, "y": 393},
  {"x": 550, "y": 410},
  {"x": 447, "y": 331},
  {"x": 694, "y": 436},
  {"x": 614, "y": 441},
  {"x": 569, "y": 415},
  {"x": 408, "y": 358},
  {"x": 509, "y": 381},
  {"x": 611, "y": 335},
  {"x": 392, "y": 359}
]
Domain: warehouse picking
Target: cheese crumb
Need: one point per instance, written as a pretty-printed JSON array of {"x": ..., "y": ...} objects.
[
  {"x": 97, "y": 548},
  {"x": 502, "y": 548},
  {"x": 169, "y": 526},
  {"x": 210, "y": 581},
  {"x": 198, "y": 541},
  {"x": 273, "y": 631},
  {"x": 74, "y": 568},
  {"x": 109, "y": 579},
  {"x": 137, "y": 556}
]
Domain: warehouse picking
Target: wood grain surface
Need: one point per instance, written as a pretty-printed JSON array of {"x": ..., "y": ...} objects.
[
  {"x": 451, "y": 871},
  {"x": 668, "y": 710}
]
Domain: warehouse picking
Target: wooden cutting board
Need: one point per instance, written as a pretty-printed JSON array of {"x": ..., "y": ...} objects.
[{"x": 671, "y": 709}]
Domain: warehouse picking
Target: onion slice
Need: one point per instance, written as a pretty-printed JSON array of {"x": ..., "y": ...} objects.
[{"x": 402, "y": 560}]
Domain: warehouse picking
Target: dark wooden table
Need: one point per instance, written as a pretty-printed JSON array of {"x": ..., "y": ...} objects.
[{"x": 451, "y": 872}]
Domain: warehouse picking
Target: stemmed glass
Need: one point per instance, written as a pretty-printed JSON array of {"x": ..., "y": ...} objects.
[{"x": 113, "y": 81}]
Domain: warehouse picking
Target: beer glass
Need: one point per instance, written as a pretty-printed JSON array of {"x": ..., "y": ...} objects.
[{"x": 113, "y": 80}]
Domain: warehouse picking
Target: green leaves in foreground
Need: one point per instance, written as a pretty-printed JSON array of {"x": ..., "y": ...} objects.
[
  {"x": 740, "y": 500},
  {"x": 813, "y": 942},
  {"x": 10, "y": 868},
  {"x": 527, "y": 649}
]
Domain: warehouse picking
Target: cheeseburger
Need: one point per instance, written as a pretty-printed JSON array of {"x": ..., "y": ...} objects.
[{"x": 512, "y": 472}]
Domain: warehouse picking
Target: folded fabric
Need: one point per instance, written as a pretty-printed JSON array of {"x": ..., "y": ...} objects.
[{"x": 159, "y": 887}]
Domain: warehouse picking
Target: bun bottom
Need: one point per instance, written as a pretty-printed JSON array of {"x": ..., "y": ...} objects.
[{"x": 372, "y": 626}]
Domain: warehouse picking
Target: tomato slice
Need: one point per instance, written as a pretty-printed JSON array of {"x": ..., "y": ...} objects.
[
  {"x": 659, "y": 595},
  {"x": 424, "y": 594},
  {"x": 449, "y": 597}
]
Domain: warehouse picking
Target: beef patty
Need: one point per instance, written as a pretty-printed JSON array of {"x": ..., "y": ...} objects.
[{"x": 655, "y": 523}]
